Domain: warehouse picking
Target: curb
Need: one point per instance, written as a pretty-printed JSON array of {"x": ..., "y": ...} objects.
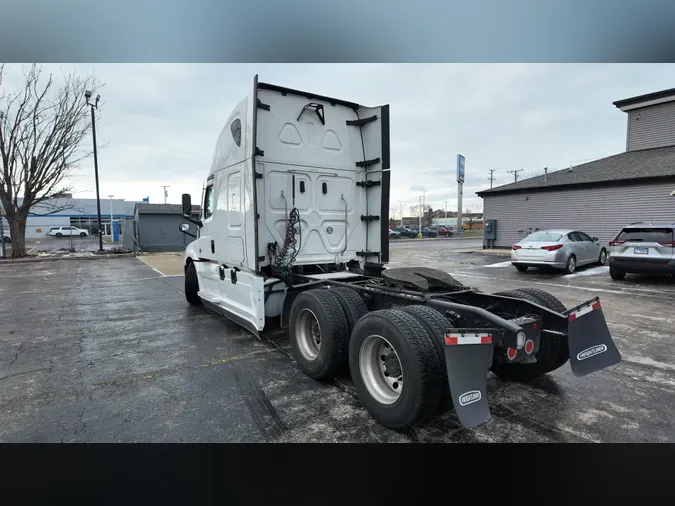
[{"x": 56, "y": 258}]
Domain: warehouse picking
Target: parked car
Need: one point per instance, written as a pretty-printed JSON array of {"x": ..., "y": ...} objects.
[
  {"x": 643, "y": 248},
  {"x": 405, "y": 232},
  {"x": 560, "y": 249},
  {"x": 394, "y": 234},
  {"x": 444, "y": 232},
  {"x": 426, "y": 232},
  {"x": 6, "y": 237},
  {"x": 67, "y": 231}
]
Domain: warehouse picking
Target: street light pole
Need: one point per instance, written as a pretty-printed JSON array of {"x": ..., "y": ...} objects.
[
  {"x": 111, "y": 212},
  {"x": 87, "y": 95}
]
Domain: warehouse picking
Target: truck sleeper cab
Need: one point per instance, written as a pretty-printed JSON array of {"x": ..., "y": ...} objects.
[{"x": 294, "y": 225}]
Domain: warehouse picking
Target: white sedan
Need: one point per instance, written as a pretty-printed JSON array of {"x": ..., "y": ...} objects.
[{"x": 560, "y": 249}]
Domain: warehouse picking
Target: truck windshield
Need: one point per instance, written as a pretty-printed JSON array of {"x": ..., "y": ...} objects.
[{"x": 542, "y": 237}]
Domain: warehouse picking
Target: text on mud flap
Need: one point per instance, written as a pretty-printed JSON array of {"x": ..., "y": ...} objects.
[
  {"x": 591, "y": 352},
  {"x": 469, "y": 398}
]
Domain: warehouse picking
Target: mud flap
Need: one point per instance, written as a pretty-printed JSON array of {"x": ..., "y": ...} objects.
[
  {"x": 590, "y": 342},
  {"x": 468, "y": 357}
]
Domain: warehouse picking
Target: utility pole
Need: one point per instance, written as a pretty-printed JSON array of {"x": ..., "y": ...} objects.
[
  {"x": 166, "y": 193},
  {"x": 515, "y": 174},
  {"x": 492, "y": 178},
  {"x": 87, "y": 96},
  {"x": 400, "y": 204},
  {"x": 446, "y": 209}
]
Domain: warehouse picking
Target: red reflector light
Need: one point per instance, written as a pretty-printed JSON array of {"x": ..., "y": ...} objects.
[
  {"x": 515, "y": 246},
  {"x": 616, "y": 243},
  {"x": 511, "y": 353},
  {"x": 667, "y": 244},
  {"x": 529, "y": 346},
  {"x": 450, "y": 341},
  {"x": 486, "y": 340},
  {"x": 552, "y": 248},
  {"x": 596, "y": 305},
  {"x": 572, "y": 317}
]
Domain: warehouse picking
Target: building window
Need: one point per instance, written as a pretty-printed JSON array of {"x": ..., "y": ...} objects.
[
  {"x": 208, "y": 202},
  {"x": 235, "y": 128}
]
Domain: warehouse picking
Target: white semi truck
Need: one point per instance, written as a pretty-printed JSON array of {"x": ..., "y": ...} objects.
[{"x": 294, "y": 232}]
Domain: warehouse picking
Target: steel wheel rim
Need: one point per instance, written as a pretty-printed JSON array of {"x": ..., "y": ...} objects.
[
  {"x": 571, "y": 264},
  {"x": 381, "y": 369},
  {"x": 603, "y": 257},
  {"x": 308, "y": 334}
]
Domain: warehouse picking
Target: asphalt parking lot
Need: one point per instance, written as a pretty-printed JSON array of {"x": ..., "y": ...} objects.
[{"x": 110, "y": 351}]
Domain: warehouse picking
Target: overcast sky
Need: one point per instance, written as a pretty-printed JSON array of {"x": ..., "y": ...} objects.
[{"x": 161, "y": 122}]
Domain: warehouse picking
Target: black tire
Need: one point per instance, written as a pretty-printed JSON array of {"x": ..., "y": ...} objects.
[
  {"x": 522, "y": 268},
  {"x": 571, "y": 265},
  {"x": 192, "y": 285},
  {"x": 421, "y": 368},
  {"x": 553, "y": 352},
  {"x": 602, "y": 258},
  {"x": 551, "y": 302},
  {"x": 325, "y": 308},
  {"x": 82, "y": 234},
  {"x": 352, "y": 304},
  {"x": 59, "y": 234},
  {"x": 7, "y": 240},
  {"x": 436, "y": 326},
  {"x": 617, "y": 275}
]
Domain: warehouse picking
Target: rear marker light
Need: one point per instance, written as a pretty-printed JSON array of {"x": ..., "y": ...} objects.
[
  {"x": 671, "y": 244},
  {"x": 552, "y": 248},
  {"x": 616, "y": 243},
  {"x": 529, "y": 346},
  {"x": 516, "y": 247},
  {"x": 511, "y": 353}
]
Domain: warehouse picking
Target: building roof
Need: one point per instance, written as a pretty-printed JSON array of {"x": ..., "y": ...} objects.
[
  {"x": 159, "y": 209},
  {"x": 658, "y": 96},
  {"x": 631, "y": 165}
]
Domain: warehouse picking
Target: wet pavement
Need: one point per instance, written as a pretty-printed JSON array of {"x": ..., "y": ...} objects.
[{"x": 109, "y": 350}]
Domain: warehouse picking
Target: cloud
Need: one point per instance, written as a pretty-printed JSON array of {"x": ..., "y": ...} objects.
[{"x": 161, "y": 122}]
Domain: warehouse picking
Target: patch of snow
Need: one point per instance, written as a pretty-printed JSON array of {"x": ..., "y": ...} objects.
[
  {"x": 500, "y": 264},
  {"x": 593, "y": 271}
]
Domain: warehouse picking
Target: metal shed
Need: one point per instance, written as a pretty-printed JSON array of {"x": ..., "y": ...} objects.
[{"x": 157, "y": 227}]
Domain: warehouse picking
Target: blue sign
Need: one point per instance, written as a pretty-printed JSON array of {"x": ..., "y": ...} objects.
[
  {"x": 460, "y": 169},
  {"x": 115, "y": 231},
  {"x": 146, "y": 199}
]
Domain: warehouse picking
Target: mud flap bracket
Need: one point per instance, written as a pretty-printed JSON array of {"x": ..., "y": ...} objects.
[
  {"x": 590, "y": 342},
  {"x": 468, "y": 357}
]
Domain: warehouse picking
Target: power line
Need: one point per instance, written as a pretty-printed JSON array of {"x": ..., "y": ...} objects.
[{"x": 515, "y": 174}]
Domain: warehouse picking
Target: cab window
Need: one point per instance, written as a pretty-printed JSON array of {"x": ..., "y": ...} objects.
[{"x": 208, "y": 202}]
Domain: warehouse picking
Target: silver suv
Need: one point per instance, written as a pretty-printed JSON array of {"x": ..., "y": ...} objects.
[{"x": 643, "y": 248}]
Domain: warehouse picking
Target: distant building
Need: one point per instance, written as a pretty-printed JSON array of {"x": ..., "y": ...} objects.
[
  {"x": 602, "y": 196},
  {"x": 81, "y": 213}
]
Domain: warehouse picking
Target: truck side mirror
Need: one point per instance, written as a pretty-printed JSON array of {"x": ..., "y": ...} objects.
[{"x": 187, "y": 204}]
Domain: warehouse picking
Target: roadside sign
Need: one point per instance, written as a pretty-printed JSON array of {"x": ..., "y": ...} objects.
[{"x": 460, "y": 169}]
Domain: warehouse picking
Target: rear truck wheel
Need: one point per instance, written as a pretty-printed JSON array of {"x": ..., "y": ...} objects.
[
  {"x": 192, "y": 285},
  {"x": 571, "y": 265},
  {"x": 395, "y": 368},
  {"x": 319, "y": 333},
  {"x": 602, "y": 259},
  {"x": 553, "y": 349},
  {"x": 352, "y": 304},
  {"x": 617, "y": 275},
  {"x": 436, "y": 326},
  {"x": 521, "y": 268}
]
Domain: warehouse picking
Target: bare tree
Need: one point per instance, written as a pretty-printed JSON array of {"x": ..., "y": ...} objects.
[
  {"x": 42, "y": 126},
  {"x": 472, "y": 214}
]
